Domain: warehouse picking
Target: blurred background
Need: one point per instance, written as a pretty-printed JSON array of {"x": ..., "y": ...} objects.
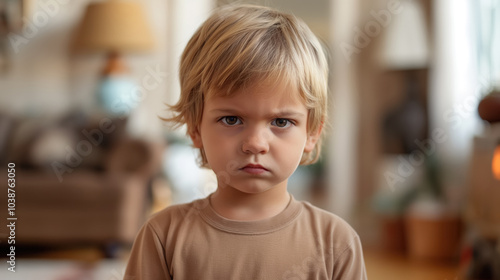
[{"x": 411, "y": 160}]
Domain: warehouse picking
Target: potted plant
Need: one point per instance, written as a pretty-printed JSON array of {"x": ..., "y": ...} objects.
[{"x": 432, "y": 228}]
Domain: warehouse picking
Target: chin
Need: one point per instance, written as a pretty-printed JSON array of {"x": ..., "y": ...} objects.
[{"x": 252, "y": 189}]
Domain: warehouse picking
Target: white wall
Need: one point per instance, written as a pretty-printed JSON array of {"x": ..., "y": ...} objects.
[{"x": 343, "y": 112}]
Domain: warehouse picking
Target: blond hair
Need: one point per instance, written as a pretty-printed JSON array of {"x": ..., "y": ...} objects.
[{"x": 241, "y": 44}]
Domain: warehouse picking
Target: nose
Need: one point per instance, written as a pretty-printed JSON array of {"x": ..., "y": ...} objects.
[{"x": 256, "y": 142}]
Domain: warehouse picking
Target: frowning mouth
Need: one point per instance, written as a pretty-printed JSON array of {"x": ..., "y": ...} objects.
[{"x": 254, "y": 169}]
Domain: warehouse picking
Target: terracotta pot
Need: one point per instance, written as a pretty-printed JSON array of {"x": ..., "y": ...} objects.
[
  {"x": 433, "y": 238},
  {"x": 393, "y": 234}
]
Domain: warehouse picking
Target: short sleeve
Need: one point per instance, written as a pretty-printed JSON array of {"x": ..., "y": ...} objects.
[
  {"x": 147, "y": 258},
  {"x": 350, "y": 264}
]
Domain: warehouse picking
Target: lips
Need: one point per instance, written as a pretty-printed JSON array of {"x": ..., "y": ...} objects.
[{"x": 254, "y": 169}]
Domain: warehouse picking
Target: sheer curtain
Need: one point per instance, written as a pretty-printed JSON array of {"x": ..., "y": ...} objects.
[
  {"x": 485, "y": 17},
  {"x": 458, "y": 81}
]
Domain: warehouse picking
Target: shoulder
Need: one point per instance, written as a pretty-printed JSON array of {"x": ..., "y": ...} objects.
[
  {"x": 328, "y": 220},
  {"x": 340, "y": 240},
  {"x": 176, "y": 215},
  {"x": 335, "y": 232}
]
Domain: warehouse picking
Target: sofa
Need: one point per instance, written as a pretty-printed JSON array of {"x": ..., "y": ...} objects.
[{"x": 79, "y": 180}]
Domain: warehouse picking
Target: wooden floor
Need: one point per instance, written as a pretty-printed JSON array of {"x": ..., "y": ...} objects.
[{"x": 380, "y": 266}]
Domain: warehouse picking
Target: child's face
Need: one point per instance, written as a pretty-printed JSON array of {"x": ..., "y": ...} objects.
[{"x": 254, "y": 139}]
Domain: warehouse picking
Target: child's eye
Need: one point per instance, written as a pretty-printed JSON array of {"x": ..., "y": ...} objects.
[
  {"x": 230, "y": 120},
  {"x": 283, "y": 123}
]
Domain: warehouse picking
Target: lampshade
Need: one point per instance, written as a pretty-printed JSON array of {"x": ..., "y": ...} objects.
[
  {"x": 114, "y": 25},
  {"x": 405, "y": 45}
]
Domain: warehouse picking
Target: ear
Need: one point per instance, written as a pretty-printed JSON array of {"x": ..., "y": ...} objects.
[
  {"x": 312, "y": 139},
  {"x": 196, "y": 138}
]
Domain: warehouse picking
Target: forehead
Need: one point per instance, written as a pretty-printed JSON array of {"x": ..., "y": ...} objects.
[
  {"x": 260, "y": 94},
  {"x": 263, "y": 88}
]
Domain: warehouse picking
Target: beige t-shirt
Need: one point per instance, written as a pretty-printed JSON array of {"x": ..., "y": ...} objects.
[{"x": 191, "y": 241}]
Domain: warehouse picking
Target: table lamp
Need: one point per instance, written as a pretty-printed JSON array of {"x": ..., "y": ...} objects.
[{"x": 115, "y": 27}]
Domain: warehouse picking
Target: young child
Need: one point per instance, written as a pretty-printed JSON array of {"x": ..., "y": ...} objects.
[{"x": 254, "y": 99}]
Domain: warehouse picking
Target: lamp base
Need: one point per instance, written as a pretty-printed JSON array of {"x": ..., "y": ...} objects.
[
  {"x": 116, "y": 88},
  {"x": 115, "y": 65}
]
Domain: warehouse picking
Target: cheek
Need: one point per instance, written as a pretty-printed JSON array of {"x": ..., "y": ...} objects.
[
  {"x": 289, "y": 151},
  {"x": 217, "y": 149}
]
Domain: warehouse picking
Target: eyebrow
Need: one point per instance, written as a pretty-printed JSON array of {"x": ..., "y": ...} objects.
[{"x": 281, "y": 114}]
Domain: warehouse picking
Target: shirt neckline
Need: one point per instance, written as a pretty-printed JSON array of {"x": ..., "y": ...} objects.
[{"x": 275, "y": 223}]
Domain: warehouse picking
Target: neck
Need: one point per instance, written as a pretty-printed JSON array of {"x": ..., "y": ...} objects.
[{"x": 236, "y": 205}]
